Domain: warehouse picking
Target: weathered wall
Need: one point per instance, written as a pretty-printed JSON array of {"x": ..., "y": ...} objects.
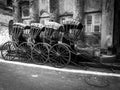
[
  {"x": 77, "y": 8},
  {"x": 54, "y": 10},
  {"x": 44, "y": 5},
  {"x": 73, "y": 7},
  {"x": 92, "y": 5},
  {"x": 106, "y": 8},
  {"x": 4, "y": 20},
  {"x": 44, "y": 10},
  {"x": 107, "y": 20},
  {"x": 34, "y": 10},
  {"x": 16, "y": 14},
  {"x": 66, "y": 6},
  {"x": 3, "y": 2}
]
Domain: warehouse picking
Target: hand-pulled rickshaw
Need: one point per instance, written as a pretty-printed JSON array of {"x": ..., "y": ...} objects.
[{"x": 53, "y": 42}]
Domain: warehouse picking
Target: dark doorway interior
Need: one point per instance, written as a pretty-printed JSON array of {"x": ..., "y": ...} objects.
[{"x": 116, "y": 31}]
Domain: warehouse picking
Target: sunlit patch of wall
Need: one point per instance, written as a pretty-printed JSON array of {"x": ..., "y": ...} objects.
[
  {"x": 5, "y": 17},
  {"x": 4, "y": 34}
]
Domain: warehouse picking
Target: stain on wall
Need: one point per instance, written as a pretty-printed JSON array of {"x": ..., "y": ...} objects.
[
  {"x": 107, "y": 20},
  {"x": 93, "y": 5},
  {"x": 44, "y": 5},
  {"x": 66, "y": 6}
]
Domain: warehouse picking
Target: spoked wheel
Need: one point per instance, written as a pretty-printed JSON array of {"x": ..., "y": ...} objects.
[
  {"x": 40, "y": 53},
  {"x": 24, "y": 52},
  {"x": 8, "y": 51},
  {"x": 59, "y": 55}
]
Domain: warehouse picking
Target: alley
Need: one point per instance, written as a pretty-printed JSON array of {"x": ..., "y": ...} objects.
[{"x": 81, "y": 38}]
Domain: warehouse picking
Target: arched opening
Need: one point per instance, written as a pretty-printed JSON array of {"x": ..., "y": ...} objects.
[{"x": 24, "y": 8}]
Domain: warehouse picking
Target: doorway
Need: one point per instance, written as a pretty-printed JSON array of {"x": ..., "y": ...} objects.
[{"x": 116, "y": 31}]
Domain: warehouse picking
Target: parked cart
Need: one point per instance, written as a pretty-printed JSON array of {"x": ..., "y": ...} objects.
[
  {"x": 53, "y": 43},
  {"x": 60, "y": 53},
  {"x": 9, "y": 49}
]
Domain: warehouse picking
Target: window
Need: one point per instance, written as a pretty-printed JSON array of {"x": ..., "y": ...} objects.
[
  {"x": 92, "y": 22},
  {"x": 9, "y": 3},
  {"x": 24, "y": 5},
  {"x": 96, "y": 28},
  {"x": 25, "y": 11},
  {"x": 89, "y": 19},
  {"x": 88, "y": 23},
  {"x": 93, "y": 29}
]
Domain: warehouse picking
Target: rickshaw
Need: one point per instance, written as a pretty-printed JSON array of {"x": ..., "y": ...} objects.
[
  {"x": 60, "y": 53},
  {"x": 9, "y": 49},
  {"x": 53, "y": 43},
  {"x": 47, "y": 38}
]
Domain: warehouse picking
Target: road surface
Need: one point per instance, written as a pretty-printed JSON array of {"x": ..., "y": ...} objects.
[{"x": 19, "y": 76}]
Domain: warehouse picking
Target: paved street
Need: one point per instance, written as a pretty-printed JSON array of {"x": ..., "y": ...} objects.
[{"x": 18, "y": 76}]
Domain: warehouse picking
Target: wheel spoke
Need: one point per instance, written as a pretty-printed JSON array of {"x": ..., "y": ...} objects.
[
  {"x": 43, "y": 59},
  {"x": 65, "y": 56},
  {"x": 63, "y": 51},
  {"x": 57, "y": 49},
  {"x": 55, "y": 58},
  {"x": 65, "y": 59},
  {"x": 59, "y": 61},
  {"x": 62, "y": 60},
  {"x": 43, "y": 56}
]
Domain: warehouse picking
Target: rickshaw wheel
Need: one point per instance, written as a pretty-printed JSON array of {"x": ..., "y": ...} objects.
[
  {"x": 40, "y": 53},
  {"x": 24, "y": 52},
  {"x": 59, "y": 55},
  {"x": 8, "y": 51}
]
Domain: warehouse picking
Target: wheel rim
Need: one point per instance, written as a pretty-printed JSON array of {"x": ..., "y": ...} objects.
[
  {"x": 47, "y": 45},
  {"x": 9, "y": 50},
  {"x": 24, "y": 52},
  {"x": 40, "y": 53},
  {"x": 59, "y": 55}
]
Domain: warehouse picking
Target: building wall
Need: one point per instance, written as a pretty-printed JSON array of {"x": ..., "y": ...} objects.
[
  {"x": 44, "y": 5},
  {"x": 5, "y": 16},
  {"x": 107, "y": 20},
  {"x": 44, "y": 10},
  {"x": 66, "y": 6},
  {"x": 104, "y": 9},
  {"x": 102, "y": 12},
  {"x": 3, "y": 2},
  {"x": 92, "y": 21},
  {"x": 92, "y": 5},
  {"x": 4, "y": 34}
]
